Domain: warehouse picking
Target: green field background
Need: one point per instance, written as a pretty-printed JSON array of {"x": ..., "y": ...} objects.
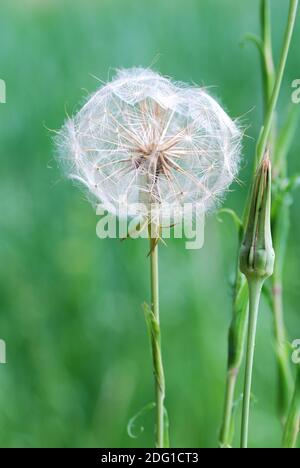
[{"x": 78, "y": 361}]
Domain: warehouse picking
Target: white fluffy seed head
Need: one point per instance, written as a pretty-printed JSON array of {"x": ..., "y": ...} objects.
[{"x": 145, "y": 139}]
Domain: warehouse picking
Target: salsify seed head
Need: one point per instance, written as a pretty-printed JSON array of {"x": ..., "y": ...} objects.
[{"x": 144, "y": 139}]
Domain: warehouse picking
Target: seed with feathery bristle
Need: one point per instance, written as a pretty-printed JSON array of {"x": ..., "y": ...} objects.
[{"x": 144, "y": 138}]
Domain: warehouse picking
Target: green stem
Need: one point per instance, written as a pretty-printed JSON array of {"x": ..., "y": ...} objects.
[
  {"x": 268, "y": 67},
  {"x": 255, "y": 288},
  {"x": 292, "y": 427},
  {"x": 266, "y": 130},
  {"x": 279, "y": 223},
  {"x": 226, "y": 431},
  {"x": 268, "y": 62},
  {"x": 272, "y": 82},
  {"x": 156, "y": 345},
  {"x": 285, "y": 379},
  {"x": 236, "y": 347}
]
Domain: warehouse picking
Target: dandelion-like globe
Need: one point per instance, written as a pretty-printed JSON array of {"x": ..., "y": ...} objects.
[{"x": 144, "y": 140}]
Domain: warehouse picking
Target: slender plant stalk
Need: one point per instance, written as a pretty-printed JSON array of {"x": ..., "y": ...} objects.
[
  {"x": 236, "y": 346},
  {"x": 226, "y": 431},
  {"x": 266, "y": 130},
  {"x": 280, "y": 228},
  {"x": 272, "y": 85},
  {"x": 154, "y": 327},
  {"x": 257, "y": 263},
  {"x": 238, "y": 327},
  {"x": 268, "y": 67},
  {"x": 280, "y": 225},
  {"x": 255, "y": 287},
  {"x": 251, "y": 250},
  {"x": 280, "y": 217},
  {"x": 292, "y": 426}
]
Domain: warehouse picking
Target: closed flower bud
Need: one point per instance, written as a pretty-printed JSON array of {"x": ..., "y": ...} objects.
[{"x": 257, "y": 255}]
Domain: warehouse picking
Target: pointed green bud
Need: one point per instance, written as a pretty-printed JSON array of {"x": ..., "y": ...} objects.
[{"x": 257, "y": 255}]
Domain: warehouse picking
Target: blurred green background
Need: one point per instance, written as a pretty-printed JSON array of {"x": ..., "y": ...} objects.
[{"x": 78, "y": 361}]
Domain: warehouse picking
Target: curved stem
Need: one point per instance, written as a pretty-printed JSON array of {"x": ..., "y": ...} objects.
[
  {"x": 156, "y": 343},
  {"x": 263, "y": 141},
  {"x": 255, "y": 287}
]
